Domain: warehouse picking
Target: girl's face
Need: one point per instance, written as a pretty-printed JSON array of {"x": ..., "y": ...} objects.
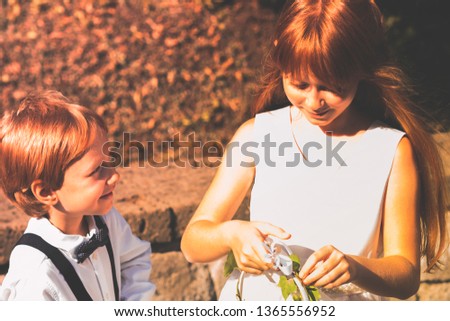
[{"x": 322, "y": 105}]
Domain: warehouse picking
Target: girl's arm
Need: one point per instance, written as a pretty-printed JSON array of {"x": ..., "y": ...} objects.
[
  {"x": 397, "y": 274},
  {"x": 211, "y": 233}
]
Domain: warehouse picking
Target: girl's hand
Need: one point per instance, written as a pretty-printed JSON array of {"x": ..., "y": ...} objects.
[
  {"x": 246, "y": 241},
  {"x": 328, "y": 267}
]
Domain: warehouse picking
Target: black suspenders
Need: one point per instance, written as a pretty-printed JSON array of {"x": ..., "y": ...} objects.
[
  {"x": 65, "y": 267},
  {"x": 100, "y": 224},
  {"x": 60, "y": 261}
]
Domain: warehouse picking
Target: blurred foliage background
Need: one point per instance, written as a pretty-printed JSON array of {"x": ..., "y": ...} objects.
[{"x": 162, "y": 67}]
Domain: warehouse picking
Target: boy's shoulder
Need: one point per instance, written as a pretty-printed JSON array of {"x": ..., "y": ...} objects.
[
  {"x": 27, "y": 258},
  {"x": 114, "y": 219},
  {"x": 113, "y": 214},
  {"x": 29, "y": 264},
  {"x": 30, "y": 275}
]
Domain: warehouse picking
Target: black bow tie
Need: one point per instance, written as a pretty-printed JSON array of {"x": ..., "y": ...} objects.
[{"x": 86, "y": 248}]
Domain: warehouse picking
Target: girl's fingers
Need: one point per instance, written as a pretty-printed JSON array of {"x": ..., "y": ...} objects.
[
  {"x": 247, "y": 263},
  {"x": 259, "y": 257},
  {"x": 254, "y": 257},
  {"x": 311, "y": 263},
  {"x": 320, "y": 270},
  {"x": 320, "y": 264},
  {"x": 253, "y": 265},
  {"x": 251, "y": 254},
  {"x": 343, "y": 278},
  {"x": 262, "y": 252},
  {"x": 269, "y": 229},
  {"x": 332, "y": 277},
  {"x": 251, "y": 270}
]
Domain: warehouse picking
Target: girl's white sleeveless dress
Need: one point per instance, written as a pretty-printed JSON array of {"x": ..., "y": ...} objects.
[{"x": 334, "y": 196}]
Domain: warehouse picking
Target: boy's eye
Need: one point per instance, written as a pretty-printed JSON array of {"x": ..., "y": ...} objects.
[{"x": 95, "y": 171}]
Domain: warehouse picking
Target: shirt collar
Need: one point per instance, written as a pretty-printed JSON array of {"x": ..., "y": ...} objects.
[{"x": 52, "y": 235}]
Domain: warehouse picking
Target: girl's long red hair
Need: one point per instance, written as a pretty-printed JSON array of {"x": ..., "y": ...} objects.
[{"x": 340, "y": 41}]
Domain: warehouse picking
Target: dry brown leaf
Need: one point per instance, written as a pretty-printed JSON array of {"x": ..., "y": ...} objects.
[
  {"x": 238, "y": 75},
  {"x": 211, "y": 30},
  {"x": 171, "y": 76},
  {"x": 186, "y": 75},
  {"x": 226, "y": 64},
  {"x": 171, "y": 42},
  {"x": 137, "y": 98},
  {"x": 150, "y": 124}
]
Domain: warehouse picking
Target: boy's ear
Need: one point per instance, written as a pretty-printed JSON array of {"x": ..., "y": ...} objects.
[{"x": 43, "y": 193}]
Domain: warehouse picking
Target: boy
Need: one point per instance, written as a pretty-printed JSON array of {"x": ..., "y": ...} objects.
[{"x": 76, "y": 245}]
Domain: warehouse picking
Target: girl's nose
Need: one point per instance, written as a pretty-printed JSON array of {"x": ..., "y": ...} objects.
[{"x": 314, "y": 100}]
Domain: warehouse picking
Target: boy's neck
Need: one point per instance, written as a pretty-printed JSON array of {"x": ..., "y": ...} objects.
[{"x": 69, "y": 224}]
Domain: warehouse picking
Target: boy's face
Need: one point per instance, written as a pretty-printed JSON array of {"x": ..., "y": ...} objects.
[{"x": 88, "y": 188}]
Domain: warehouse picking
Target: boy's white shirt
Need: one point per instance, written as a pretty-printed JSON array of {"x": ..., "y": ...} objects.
[{"x": 32, "y": 276}]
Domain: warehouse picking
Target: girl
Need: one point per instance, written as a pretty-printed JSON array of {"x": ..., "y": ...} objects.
[{"x": 346, "y": 171}]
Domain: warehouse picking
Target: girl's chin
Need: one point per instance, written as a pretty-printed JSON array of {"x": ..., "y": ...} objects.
[{"x": 319, "y": 121}]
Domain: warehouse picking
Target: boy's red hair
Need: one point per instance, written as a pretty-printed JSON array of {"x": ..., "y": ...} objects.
[{"x": 39, "y": 141}]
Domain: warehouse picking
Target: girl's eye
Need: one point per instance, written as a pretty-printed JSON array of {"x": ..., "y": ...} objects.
[
  {"x": 302, "y": 85},
  {"x": 329, "y": 90},
  {"x": 336, "y": 91}
]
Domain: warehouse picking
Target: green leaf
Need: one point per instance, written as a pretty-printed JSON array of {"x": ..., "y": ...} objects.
[
  {"x": 296, "y": 297},
  {"x": 313, "y": 293},
  {"x": 230, "y": 264},
  {"x": 295, "y": 263},
  {"x": 288, "y": 287}
]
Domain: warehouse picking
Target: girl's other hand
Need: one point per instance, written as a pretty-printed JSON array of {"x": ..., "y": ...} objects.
[
  {"x": 328, "y": 267},
  {"x": 246, "y": 241}
]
